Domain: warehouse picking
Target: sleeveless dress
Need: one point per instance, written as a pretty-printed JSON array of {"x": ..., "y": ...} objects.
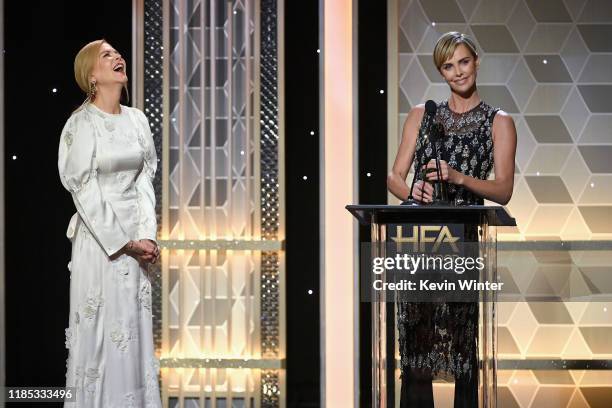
[
  {"x": 107, "y": 162},
  {"x": 440, "y": 338}
]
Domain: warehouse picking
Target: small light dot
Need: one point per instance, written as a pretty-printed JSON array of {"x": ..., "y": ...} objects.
[
  {"x": 516, "y": 381},
  {"x": 544, "y": 61},
  {"x": 433, "y": 23},
  {"x": 605, "y": 309},
  {"x": 537, "y": 173},
  {"x": 382, "y": 91},
  {"x": 54, "y": 90},
  {"x": 310, "y": 291},
  {"x": 312, "y": 133},
  {"x": 368, "y": 174},
  {"x": 235, "y": 12},
  {"x": 242, "y": 152},
  {"x": 305, "y": 178},
  {"x": 14, "y": 157},
  {"x": 173, "y": 119},
  {"x": 592, "y": 185},
  {"x": 318, "y": 51}
]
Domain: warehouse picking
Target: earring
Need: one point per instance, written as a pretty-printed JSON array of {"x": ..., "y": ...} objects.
[{"x": 91, "y": 94}]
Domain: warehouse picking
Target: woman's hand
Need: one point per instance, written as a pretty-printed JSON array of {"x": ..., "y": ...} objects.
[
  {"x": 143, "y": 250},
  {"x": 446, "y": 172},
  {"x": 422, "y": 191},
  {"x": 153, "y": 251}
]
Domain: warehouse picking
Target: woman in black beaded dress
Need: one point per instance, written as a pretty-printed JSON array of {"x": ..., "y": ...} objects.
[{"x": 440, "y": 338}]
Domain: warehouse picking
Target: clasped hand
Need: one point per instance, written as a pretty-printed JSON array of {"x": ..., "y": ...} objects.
[
  {"x": 144, "y": 251},
  {"x": 423, "y": 190},
  {"x": 447, "y": 173}
]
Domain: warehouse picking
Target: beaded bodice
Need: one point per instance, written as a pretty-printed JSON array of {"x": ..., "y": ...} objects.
[{"x": 467, "y": 146}]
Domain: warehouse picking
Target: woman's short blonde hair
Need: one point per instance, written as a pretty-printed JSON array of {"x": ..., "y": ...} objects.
[
  {"x": 448, "y": 43},
  {"x": 84, "y": 63}
]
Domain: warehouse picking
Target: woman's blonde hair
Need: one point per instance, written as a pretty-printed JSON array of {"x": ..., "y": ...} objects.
[
  {"x": 84, "y": 63},
  {"x": 448, "y": 43},
  {"x": 83, "y": 66}
]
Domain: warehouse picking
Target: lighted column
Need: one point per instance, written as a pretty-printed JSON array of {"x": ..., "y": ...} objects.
[{"x": 338, "y": 188}]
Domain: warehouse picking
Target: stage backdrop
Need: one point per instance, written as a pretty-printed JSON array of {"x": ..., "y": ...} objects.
[
  {"x": 212, "y": 91},
  {"x": 547, "y": 63}
]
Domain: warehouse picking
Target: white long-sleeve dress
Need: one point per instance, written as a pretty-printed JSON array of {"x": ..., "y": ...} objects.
[{"x": 107, "y": 163}]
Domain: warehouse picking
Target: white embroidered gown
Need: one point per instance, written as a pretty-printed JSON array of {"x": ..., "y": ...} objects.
[{"x": 107, "y": 163}]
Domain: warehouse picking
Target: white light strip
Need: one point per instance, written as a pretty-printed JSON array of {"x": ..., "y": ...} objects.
[
  {"x": 182, "y": 323},
  {"x": 165, "y": 301},
  {"x": 263, "y": 363},
  {"x": 392, "y": 88},
  {"x": 338, "y": 188},
  {"x": 236, "y": 245}
]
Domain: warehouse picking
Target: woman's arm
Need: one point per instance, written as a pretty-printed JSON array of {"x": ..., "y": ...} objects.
[
  {"x": 147, "y": 223},
  {"x": 504, "y": 150},
  {"x": 396, "y": 179},
  {"x": 78, "y": 173}
]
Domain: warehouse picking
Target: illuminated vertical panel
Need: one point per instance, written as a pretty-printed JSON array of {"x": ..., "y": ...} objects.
[
  {"x": 210, "y": 199},
  {"x": 338, "y": 188},
  {"x": 220, "y": 225}
]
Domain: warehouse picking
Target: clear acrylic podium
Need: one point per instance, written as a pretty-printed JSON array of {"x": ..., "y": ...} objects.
[{"x": 479, "y": 218}]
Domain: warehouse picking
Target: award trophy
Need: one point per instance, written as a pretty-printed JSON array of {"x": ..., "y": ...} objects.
[{"x": 440, "y": 187}]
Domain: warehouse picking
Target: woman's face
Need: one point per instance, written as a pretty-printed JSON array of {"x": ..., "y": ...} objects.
[
  {"x": 110, "y": 68},
  {"x": 459, "y": 71}
]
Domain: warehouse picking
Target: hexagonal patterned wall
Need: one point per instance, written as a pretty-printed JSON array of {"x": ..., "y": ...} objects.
[
  {"x": 568, "y": 330},
  {"x": 538, "y": 332},
  {"x": 540, "y": 389},
  {"x": 549, "y": 64}
]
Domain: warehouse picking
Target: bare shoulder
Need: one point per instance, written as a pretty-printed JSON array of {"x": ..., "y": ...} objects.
[
  {"x": 503, "y": 118},
  {"x": 415, "y": 115},
  {"x": 417, "y": 109},
  {"x": 503, "y": 126}
]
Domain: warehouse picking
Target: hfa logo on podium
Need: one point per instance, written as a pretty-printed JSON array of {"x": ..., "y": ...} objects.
[{"x": 427, "y": 238}]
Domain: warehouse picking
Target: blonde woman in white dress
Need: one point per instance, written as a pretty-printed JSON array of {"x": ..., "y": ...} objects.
[{"x": 107, "y": 162}]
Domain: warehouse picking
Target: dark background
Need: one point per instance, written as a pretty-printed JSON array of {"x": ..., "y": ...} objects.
[
  {"x": 372, "y": 122},
  {"x": 41, "y": 40},
  {"x": 302, "y": 202}
]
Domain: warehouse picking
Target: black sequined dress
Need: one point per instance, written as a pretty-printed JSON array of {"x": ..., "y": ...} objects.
[{"x": 441, "y": 338}]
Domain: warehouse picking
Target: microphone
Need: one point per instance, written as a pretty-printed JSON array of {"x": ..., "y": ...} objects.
[
  {"x": 433, "y": 134},
  {"x": 431, "y": 107},
  {"x": 440, "y": 186},
  {"x": 430, "y": 113}
]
